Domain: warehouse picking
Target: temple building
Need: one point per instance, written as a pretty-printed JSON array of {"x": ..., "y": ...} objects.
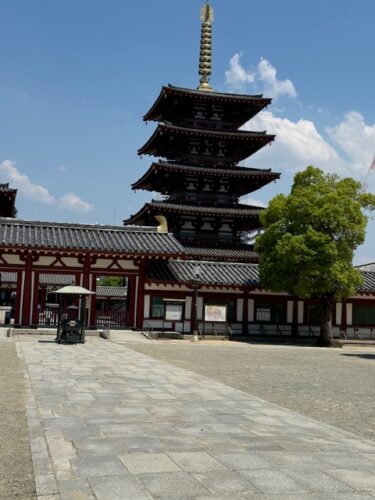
[
  {"x": 183, "y": 258},
  {"x": 7, "y": 201},
  {"x": 200, "y": 145}
]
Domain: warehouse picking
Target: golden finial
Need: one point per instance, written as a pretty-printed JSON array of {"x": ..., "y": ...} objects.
[{"x": 205, "y": 61}]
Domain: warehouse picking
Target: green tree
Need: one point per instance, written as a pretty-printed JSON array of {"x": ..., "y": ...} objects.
[
  {"x": 309, "y": 238},
  {"x": 111, "y": 281}
]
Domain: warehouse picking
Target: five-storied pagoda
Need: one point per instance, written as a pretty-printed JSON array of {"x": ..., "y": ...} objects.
[{"x": 199, "y": 139}]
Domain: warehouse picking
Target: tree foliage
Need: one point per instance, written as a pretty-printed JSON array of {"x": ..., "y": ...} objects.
[
  {"x": 111, "y": 281},
  {"x": 310, "y": 235}
]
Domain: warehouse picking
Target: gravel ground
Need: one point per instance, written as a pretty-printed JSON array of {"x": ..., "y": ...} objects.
[
  {"x": 335, "y": 386},
  {"x": 16, "y": 470}
]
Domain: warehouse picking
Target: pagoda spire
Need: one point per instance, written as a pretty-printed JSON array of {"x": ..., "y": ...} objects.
[{"x": 205, "y": 59}]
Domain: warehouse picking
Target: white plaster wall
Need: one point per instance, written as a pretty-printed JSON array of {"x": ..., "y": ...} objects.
[
  {"x": 239, "y": 309},
  {"x": 102, "y": 264},
  {"x": 70, "y": 261},
  {"x": 146, "y": 307},
  {"x": 338, "y": 313},
  {"x": 188, "y": 304},
  {"x": 127, "y": 264},
  {"x": 12, "y": 259},
  {"x": 200, "y": 308},
  {"x": 349, "y": 313},
  {"x": 300, "y": 312},
  {"x": 289, "y": 311},
  {"x": 250, "y": 311}
]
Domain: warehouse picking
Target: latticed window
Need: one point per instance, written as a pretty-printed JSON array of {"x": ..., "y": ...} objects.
[
  {"x": 157, "y": 307},
  {"x": 363, "y": 314},
  {"x": 313, "y": 314},
  {"x": 270, "y": 312}
]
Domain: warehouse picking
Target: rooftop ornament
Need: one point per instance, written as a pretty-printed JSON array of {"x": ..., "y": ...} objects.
[{"x": 205, "y": 57}]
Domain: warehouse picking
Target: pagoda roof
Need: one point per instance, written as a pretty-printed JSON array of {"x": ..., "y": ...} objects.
[
  {"x": 245, "y": 143},
  {"x": 5, "y": 188},
  {"x": 160, "y": 207},
  {"x": 242, "y": 107},
  {"x": 17, "y": 233},
  {"x": 247, "y": 176}
]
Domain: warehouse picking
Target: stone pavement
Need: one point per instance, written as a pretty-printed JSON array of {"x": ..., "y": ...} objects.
[
  {"x": 110, "y": 423},
  {"x": 16, "y": 468}
]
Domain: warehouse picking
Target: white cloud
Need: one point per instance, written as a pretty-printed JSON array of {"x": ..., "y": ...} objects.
[
  {"x": 236, "y": 77},
  {"x": 61, "y": 168},
  {"x": 10, "y": 173},
  {"x": 252, "y": 202},
  {"x": 264, "y": 76},
  {"x": 356, "y": 139},
  {"x": 73, "y": 202},
  {"x": 34, "y": 192},
  {"x": 297, "y": 144},
  {"x": 273, "y": 87}
]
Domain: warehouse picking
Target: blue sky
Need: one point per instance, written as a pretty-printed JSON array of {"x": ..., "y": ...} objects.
[{"x": 77, "y": 76}]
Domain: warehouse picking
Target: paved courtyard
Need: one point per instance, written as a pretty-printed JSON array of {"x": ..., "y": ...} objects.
[
  {"x": 335, "y": 386},
  {"x": 107, "y": 422}
]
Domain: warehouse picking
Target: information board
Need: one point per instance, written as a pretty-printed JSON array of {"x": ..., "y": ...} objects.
[
  {"x": 173, "y": 312},
  {"x": 215, "y": 313}
]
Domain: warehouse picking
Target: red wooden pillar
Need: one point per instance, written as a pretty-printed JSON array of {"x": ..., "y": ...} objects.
[
  {"x": 130, "y": 305},
  {"x": 343, "y": 316},
  {"x": 245, "y": 314},
  {"x": 35, "y": 302},
  {"x": 193, "y": 311},
  {"x": 92, "y": 298},
  {"x": 295, "y": 317},
  {"x": 27, "y": 288},
  {"x": 19, "y": 298},
  {"x": 141, "y": 295}
]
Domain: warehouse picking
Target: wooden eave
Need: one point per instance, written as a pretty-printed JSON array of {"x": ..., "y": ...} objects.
[
  {"x": 155, "y": 113},
  {"x": 239, "y": 172},
  {"x": 159, "y": 208},
  {"x": 151, "y": 145}
]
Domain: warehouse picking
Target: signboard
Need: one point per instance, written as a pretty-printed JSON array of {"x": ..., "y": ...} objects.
[
  {"x": 173, "y": 312},
  {"x": 215, "y": 313}
]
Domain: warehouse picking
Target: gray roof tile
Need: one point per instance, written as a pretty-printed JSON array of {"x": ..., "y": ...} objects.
[{"x": 118, "y": 239}]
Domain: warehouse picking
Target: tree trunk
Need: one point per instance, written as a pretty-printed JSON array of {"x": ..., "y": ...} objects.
[{"x": 325, "y": 338}]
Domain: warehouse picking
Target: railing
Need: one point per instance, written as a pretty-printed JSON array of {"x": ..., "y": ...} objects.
[
  {"x": 112, "y": 319},
  {"x": 215, "y": 329},
  {"x": 47, "y": 317},
  {"x": 147, "y": 328}
]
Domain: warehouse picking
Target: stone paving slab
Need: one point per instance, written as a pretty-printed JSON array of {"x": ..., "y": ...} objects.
[{"x": 107, "y": 422}]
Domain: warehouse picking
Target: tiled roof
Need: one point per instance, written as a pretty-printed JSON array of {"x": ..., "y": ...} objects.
[
  {"x": 221, "y": 273},
  {"x": 171, "y": 92},
  {"x": 57, "y": 279},
  {"x": 7, "y": 189},
  {"x": 44, "y": 279},
  {"x": 367, "y": 267},
  {"x": 222, "y": 253},
  {"x": 248, "y": 176},
  {"x": 235, "y": 211},
  {"x": 210, "y": 273},
  {"x": 118, "y": 239},
  {"x": 369, "y": 282},
  {"x": 164, "y": 131},
  {"x": 111, "y": 291}
]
